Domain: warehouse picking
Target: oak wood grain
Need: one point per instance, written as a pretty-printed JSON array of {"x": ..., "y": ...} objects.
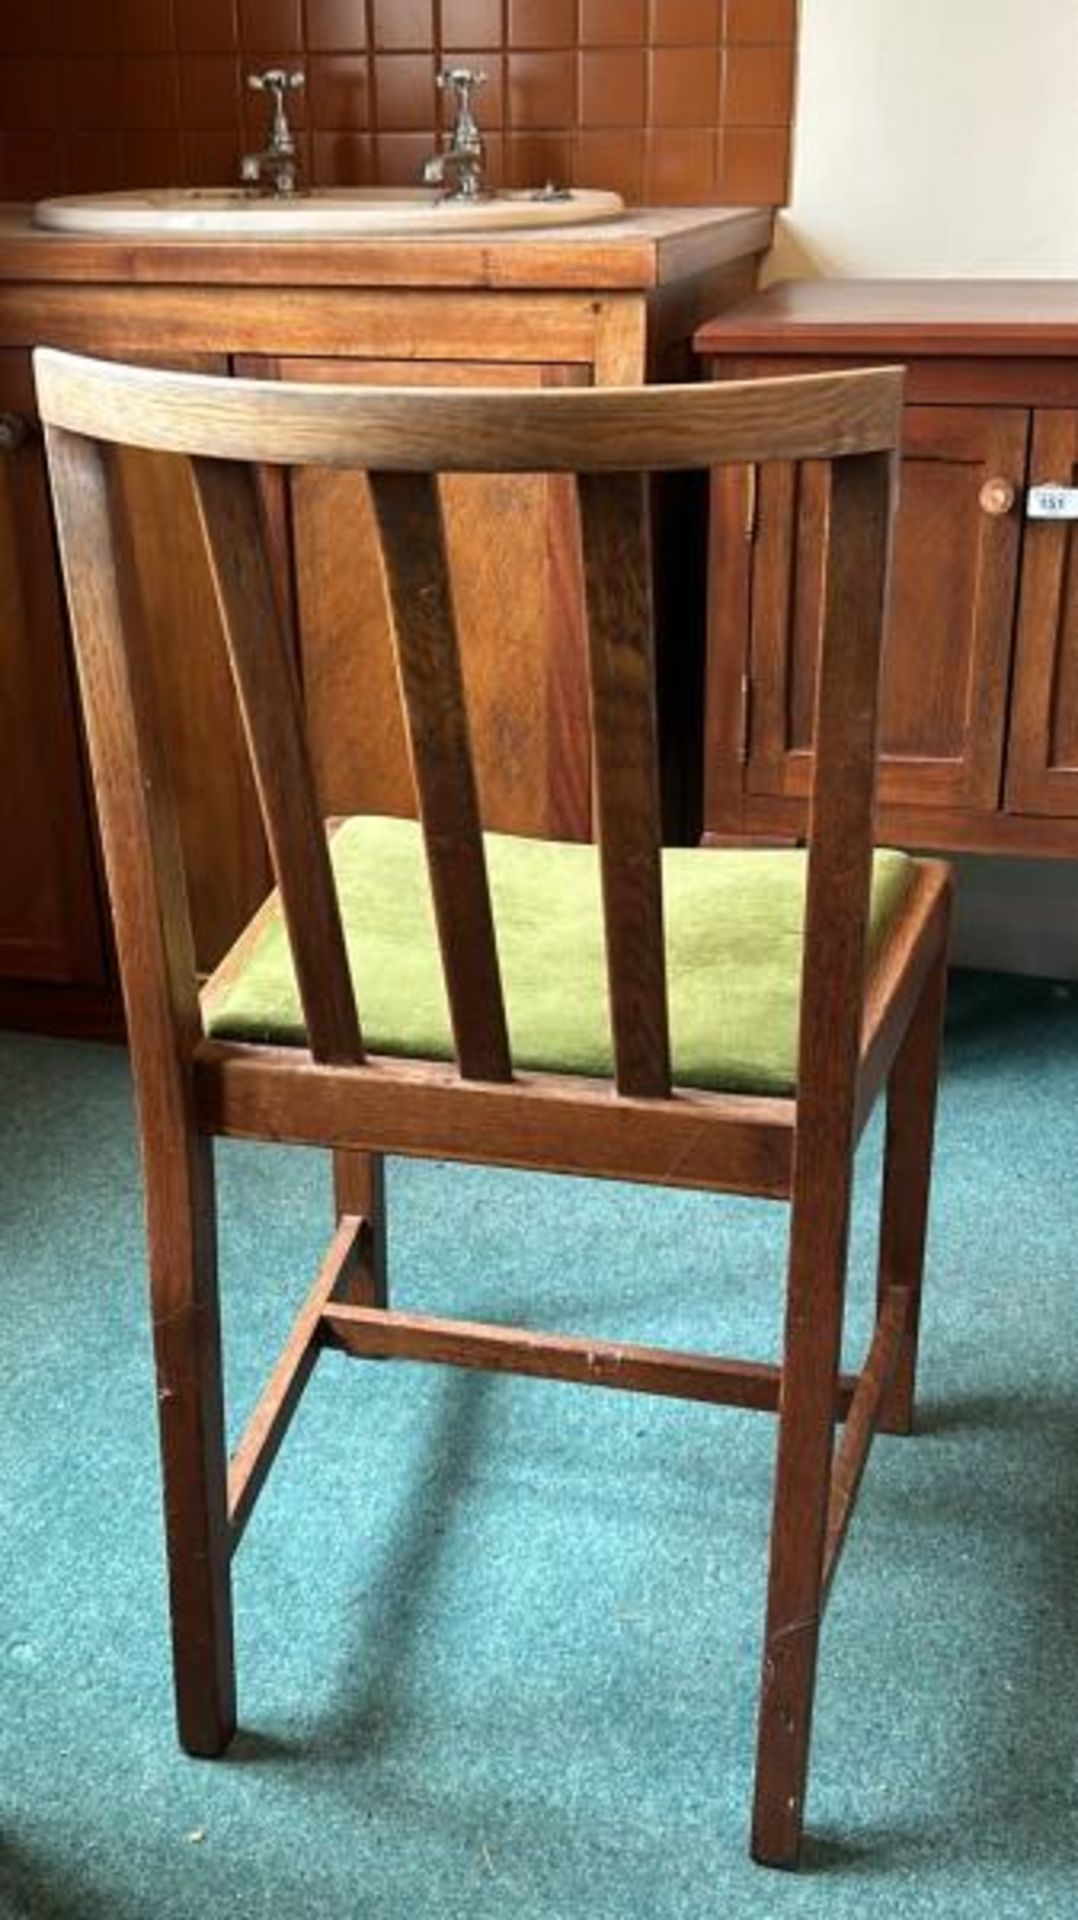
[
  {"x": 601, "y": 1363},
  {"x": 650, "y": 247},
  {"x": 730, "y": 1143},
  {"x": 801, "y": 418}
]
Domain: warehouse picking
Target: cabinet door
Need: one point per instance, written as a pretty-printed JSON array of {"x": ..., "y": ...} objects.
[
  {"x": 1042, "y": 761},
  {"x": 515, "y": 571},
  {"x": 947, "y": 650},
  {"x": 50, "y": 918}
]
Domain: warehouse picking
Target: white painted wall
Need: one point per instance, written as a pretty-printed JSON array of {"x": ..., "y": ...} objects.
[{"x": 934, "y": 137}]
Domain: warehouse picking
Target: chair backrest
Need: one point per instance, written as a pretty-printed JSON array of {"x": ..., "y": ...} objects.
[{"x": 611, "y": 440}]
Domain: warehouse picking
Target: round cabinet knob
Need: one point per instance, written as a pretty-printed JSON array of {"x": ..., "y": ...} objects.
[
  {"x": 997, "y": 497},
  {"x": 14, "y": 431}
]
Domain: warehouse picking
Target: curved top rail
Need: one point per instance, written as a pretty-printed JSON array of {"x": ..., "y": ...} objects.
[{"x": 806, "y": 416}]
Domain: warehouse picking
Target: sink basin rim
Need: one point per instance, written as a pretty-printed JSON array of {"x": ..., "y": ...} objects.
[{"x": 324, "y": 212}]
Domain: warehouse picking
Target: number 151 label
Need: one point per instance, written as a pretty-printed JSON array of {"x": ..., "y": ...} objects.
[{"x": 1052, "y": 503}]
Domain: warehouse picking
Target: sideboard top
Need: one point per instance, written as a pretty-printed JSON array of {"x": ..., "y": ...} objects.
[{"x": 911, "y": 317}]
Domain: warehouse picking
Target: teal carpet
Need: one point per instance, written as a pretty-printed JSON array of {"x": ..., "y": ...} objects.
[{"x": 499, "y": 1639}]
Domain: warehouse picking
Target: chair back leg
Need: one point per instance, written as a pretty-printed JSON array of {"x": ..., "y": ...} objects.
[
  {"x": 182, "y": 1224},
  {"x": 359, "y": 1189}
]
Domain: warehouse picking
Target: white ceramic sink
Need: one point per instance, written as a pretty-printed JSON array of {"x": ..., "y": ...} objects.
[{"x": 341, "y": 211}]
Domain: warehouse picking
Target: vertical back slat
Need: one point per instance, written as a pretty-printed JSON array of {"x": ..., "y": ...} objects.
[
  {"x": 617, "y": 572},
  {"x": 269, "y": 701},
  {"x": 428, "y": 658},
  {"x": 840, "y": 820}
]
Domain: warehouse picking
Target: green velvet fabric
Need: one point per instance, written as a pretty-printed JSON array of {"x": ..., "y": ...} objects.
[{"x": 733, "y": 936}]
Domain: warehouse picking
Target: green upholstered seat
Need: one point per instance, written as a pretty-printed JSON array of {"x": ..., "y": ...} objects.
[{"x": 733, "y": 937}]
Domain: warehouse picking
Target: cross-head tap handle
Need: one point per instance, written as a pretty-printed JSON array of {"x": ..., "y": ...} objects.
[
  {"x": 278, "y": 84},
  {"x": 275, "y": 80},
  {"x": 462, "y": 81}
]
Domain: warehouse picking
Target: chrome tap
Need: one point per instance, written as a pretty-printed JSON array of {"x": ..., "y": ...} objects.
[
  {"x": 275, "y": 170},
  {"x": 458, "y": 165}
]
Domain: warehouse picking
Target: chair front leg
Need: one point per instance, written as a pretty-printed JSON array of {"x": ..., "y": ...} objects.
[{"x": 181, "y": 1217}]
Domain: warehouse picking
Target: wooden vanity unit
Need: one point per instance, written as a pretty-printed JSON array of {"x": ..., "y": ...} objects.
[
  {"x": 979, "y": 713},
  {"x": 612, "y": 304}
]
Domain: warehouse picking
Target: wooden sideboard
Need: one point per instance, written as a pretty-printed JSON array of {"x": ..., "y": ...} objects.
[
  {"x": 979, "y": 696},
  {"x": 614, "y": 304}
]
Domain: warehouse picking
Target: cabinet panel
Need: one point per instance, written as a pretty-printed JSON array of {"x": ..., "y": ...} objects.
[
  {"x": 50, "y": 917},
  {"x": 515, "y": 571},
  {"x": 948, "y": 643},
  {"x": 1042, "y": 765}
]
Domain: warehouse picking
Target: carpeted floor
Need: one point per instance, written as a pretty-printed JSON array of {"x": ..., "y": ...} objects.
[{"x": 499, "y": 1639}]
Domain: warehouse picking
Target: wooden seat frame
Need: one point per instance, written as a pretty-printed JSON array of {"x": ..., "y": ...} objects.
[{"x": 862, "y": 1028}]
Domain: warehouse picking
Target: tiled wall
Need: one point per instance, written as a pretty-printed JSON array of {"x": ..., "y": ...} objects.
[{"x": 664, "y": 100}]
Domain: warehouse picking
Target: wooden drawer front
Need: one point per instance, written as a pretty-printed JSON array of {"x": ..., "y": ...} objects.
[
  {"x": 516, "y": 581},
  {"x": 948, "y": 646},
  {"x": 1042, "y": 763}
]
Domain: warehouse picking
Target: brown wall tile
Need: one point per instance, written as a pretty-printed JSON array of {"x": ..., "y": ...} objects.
[
  {"x": 90, "y": 91},
  {"x": 32, "y": 93},
  {"x": 471, "y": 23},
  {"x": 613, "y": 160},
  {"x": 681, "y": 22},
  {"x": 754, "y": 165},
  {"x": 403, "y": 24},
  {"x": 757, "y": 86},
  {"x": 145, "y": 26},
  {"x": 336, "y": 26},
  {"x": 271, "y": 26},
  {"x": 28, "y": 27},
  {"x": 206, "y": 26},
  {"x": 149, "y": 94},
  {"x": 342, "y": 159},
  {"x": 405, "y": 92},
  {"x": 153, "y": 156},
  {"x": 680, "y": 165},
  {"x": 613, "y": 91},
  {"x": 338, "y": 90},
  {"x": 542, "y": 89},
  {"x": 684, "y": 87},
  {"x": 33, "y": 163},
  {"x": 761, "y": 20},
  {"x": 534, "y": 158},
  {"x": 209, "y": 92},
  {"x": 89, "y": 27},
  {"x": 542, "y": 23},
  {"x": 661, "y": 100},
  {"x": 613, "y": 23}
]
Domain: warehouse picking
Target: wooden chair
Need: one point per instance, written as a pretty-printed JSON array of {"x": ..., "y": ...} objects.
[{"x": 870, "y": 1012}]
